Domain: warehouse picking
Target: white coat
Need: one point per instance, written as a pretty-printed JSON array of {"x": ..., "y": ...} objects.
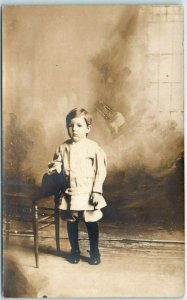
[{"x": 84, "y": 169}]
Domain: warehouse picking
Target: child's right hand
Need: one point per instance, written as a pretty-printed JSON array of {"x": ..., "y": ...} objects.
[{"x": 54, "y": 166}]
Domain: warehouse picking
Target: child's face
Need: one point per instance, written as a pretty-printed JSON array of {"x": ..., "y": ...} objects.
[{"x": 78, "y": 129}]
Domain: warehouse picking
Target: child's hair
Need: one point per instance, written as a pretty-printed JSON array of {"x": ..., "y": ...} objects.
[{"x": 79, "y": 112}]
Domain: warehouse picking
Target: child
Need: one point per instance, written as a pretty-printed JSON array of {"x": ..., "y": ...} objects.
[{"x": 83, "y": 165}]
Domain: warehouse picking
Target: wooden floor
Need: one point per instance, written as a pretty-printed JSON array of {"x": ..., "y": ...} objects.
[{"x": 136, "y": 262}]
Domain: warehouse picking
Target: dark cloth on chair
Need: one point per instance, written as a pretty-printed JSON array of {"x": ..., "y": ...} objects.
[{"x": 53, "y": 184}]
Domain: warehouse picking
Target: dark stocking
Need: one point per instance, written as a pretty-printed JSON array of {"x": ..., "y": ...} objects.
[
  {"x": 93, "y": 233},
  {"x": 72, "y": 228}
]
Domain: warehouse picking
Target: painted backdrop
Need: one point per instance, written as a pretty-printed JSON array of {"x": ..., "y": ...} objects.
[{"x": 122, "y": 63}]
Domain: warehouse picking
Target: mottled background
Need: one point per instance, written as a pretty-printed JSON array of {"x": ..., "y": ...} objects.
[{"x": 130, "y": 57}]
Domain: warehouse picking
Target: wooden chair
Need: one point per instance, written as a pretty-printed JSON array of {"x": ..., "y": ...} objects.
[{"x": 23, "y": 205}]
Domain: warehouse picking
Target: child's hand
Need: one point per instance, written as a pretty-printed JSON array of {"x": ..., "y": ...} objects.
[
  {"x": 54, "y": 166},
  {"x": 94, "y": 199}
]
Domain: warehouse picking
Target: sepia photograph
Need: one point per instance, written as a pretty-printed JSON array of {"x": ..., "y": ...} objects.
[{"x": 92, "y": 151}]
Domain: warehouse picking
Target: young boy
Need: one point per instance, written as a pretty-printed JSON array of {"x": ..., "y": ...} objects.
[{"x": 83, "y": 165}]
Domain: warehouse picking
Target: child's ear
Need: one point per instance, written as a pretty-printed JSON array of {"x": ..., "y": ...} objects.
[{"x": 89, "y": 127}]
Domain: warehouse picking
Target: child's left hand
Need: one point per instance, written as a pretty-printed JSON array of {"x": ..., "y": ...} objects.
[{"x": 94, "y": 199}]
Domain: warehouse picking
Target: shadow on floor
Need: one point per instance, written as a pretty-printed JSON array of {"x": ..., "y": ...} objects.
[{"x": 15, "y": 282}]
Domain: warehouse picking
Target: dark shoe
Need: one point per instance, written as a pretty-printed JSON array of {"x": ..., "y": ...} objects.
[
  {"x": 94, "y": 259},
  {"x": 74, "y": 257}
]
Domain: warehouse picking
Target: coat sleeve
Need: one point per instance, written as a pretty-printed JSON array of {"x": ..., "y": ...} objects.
[
  {"x": 100, "y": 170},
  {"x": 58, "y": 154},
  {"x": 56, "y": 164}
]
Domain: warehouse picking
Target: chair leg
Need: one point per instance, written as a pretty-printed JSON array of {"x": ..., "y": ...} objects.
[
  {"x": 35, "y": 229},
  {"x": 57, "y": 227}
]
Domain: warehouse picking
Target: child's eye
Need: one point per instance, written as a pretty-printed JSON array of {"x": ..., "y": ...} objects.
[{"x": 79, "y": 125}]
